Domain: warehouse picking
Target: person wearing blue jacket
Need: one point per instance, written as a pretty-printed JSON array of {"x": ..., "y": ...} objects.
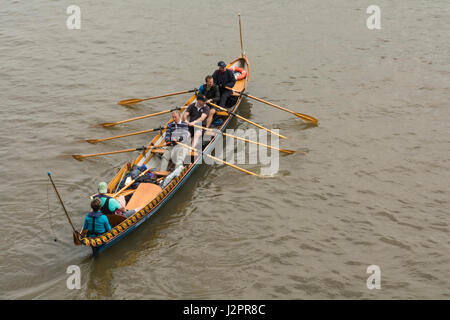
[
  {"x": 96, "y": 222},
  {"x": 224, "y": 77}
]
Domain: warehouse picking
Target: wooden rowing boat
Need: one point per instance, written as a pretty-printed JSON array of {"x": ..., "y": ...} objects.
[{"x": 151, "y": 196}]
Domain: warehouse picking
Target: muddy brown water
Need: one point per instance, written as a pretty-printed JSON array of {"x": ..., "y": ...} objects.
[{"x": 372, "y": 189}]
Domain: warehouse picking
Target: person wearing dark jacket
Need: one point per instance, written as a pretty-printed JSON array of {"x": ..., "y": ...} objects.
[
  {"x": 197, "y": 112},
  {"x": 211, "y": 91},
  {"x": 224, "y": 77}
]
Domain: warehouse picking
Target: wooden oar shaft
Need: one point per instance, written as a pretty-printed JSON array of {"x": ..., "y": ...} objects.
[
  {"x": 78, "y": 156},
  {"x": 167, "y": 95},
  {"x": 300, "y": 115},
  {"x": 110, "y": 124},
  {"x": 251, "y": 122},
  {"x": 243, "y": 139},
  {"x": 136, "y": 118},
  {"x": 269, "y": 103},
  {"x": 133, "y": 101},
  {"x": 220, "y": 160},
  {"x": 124, "y": 135},
  {"x": 60, "y": 200}
]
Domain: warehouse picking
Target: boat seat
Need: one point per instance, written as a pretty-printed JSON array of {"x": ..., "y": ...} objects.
[
  {"x": 144, "y": 193},
  {"x": 115, "y": 219}
]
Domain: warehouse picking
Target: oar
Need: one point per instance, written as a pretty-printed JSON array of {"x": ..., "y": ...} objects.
[
  {"x": 125, "y": 135},
  {"x": 220, "y": 160},
  {"x": 246, "y": 140},
  {"x": 82, "y": 156},
  {"x": 134, "y": 101},
  {"x": 242, "y": 118},
  {"x": 111, "y": 124},
  {"x": 300, "y": 115}
]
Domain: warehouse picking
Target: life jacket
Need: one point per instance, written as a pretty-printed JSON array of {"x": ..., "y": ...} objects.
[
  {"x": 94, "y": 215},
  {"x": 105, "y": 207}
]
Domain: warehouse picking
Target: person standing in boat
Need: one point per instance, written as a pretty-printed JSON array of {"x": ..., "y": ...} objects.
[
  {"x": 224, "y": 77},
  {"x": 96, "y": 222},
  {"x": 197, "y": 111},
  {"x": 212, "y": 93},
  {"x": 177, "y": 131}
]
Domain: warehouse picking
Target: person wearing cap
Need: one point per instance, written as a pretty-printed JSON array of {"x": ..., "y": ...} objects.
[
  {"x": 110, "y": 205},
  {"x": 197, "y": 112},
  {"x": 224, "y": 77}
]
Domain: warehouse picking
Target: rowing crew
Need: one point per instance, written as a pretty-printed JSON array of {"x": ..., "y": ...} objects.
[{"x": 197, "y": 113}]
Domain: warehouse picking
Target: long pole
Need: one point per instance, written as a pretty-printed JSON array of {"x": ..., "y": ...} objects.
[
  {"x": 240, "y": 32},
  {"x": 60, "y": 200}
]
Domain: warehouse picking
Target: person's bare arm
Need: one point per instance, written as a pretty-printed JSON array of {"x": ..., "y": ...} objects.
[{"x": 185, "y": 116}]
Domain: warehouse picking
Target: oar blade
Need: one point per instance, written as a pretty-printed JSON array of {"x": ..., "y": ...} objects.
[
  {"x": 92, "y": 140},
  {"x": 129, "y": 102},
  {"x": 77, "y": 157},
  {"x": 106, "y": 124},
  {"x": 306, "y": 117},
  {"x": 287, "y": 151}
]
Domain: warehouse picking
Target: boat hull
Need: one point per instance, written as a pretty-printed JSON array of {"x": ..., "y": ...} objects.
[{"x": 120, "y": 231}]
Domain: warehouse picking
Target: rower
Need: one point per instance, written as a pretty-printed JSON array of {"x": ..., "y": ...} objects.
[
  {"x": 224, "y": 77},
  {"x": 197, "y": 112},
  {"x": 212, "y": 93},
  {"x": 177, "y": 131}
]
